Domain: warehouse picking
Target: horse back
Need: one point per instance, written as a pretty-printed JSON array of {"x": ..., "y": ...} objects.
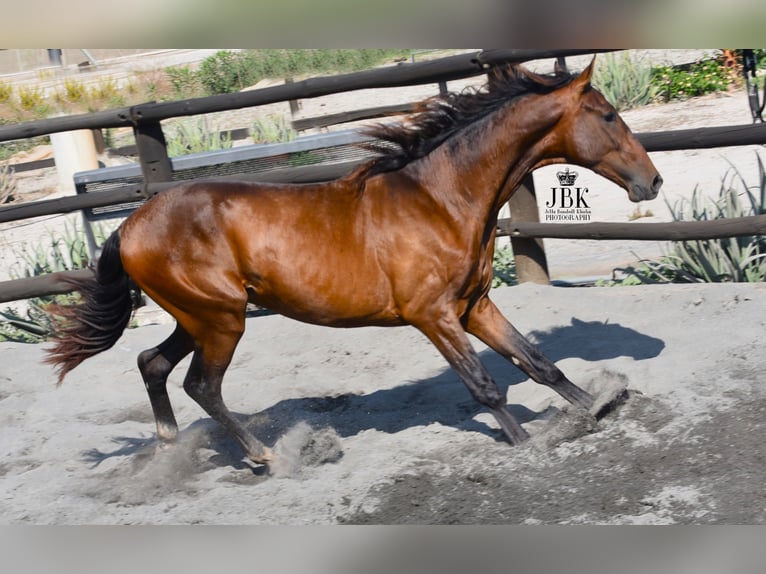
[{"x": 305, "y": 251}]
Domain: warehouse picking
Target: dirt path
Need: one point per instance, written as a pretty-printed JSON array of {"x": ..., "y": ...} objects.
[{"x": 396, "y": 437}]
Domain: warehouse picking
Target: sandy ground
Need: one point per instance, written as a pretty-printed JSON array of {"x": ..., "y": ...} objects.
[
  {"x": 389, "y": 434},
  {"x": 372, "y": 427}
]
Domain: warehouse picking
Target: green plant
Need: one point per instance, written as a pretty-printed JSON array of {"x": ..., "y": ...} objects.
[
  {"x": 6, "y": 92},
  {"x": 62, "y": 252},
  {"x": 703, "y": 77},
  {"x": 8, "y": 184},
  {"x": 8, "y": 149},
  {"x": 185, "y": 82},
  {"x": 504, "y": 266},
  {"x": 272, "y": 129},
  {"x": 276, "y": 129},
  {"x": 226, "y": 72},
  {"x": 105, "y": 94},
  {"x": 74, "y": 91},
  {"x": 57, "y": 253},
  {"x": 16, "y": 328},
  {"x": 760, "y": 57},
  {"x": 300, "y": 158},
  {"x": 193, "y": 136},
  {"x": 625, "y": 81},
  {"x": 730, "y": 259},
  {"x": 151, "y": 85},
  {"x": 30, "y": 97}
]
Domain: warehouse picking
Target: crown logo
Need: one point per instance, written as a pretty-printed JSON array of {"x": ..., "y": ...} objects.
[{"x": 566, "y": 177}]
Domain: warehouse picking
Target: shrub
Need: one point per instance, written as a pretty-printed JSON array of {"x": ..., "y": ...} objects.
[
  {"x": 30, "y": 97},
  {"x": 626, "y": 82},
  {"x": 106, "y": 94},
  {"x": 74, "y": 91},
  {"x": 703, "y": 77},
  {"x": 155, "y": 86},
  {"x": 185, "y": 82},
  {"x": 226, "y": 72},
  {"x": 6, "y": 92}
]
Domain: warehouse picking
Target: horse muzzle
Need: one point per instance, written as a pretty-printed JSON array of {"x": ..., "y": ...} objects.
[{"x": 639, "y": 192}]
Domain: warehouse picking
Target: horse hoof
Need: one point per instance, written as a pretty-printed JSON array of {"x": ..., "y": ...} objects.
[
  {"x": 610, "y": 390},
  {"x": 265, "y": 457}
]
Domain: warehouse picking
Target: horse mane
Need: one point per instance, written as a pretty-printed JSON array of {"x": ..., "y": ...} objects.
[{"x": 439, "y": 117}]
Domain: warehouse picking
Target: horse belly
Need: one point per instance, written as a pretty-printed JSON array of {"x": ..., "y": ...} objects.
[
  {"x": 325, "y": 283},
  {"x": 329, "y": 307}
]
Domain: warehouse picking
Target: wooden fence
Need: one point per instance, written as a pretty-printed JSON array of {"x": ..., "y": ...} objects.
[{"x": 523, "y": 228}]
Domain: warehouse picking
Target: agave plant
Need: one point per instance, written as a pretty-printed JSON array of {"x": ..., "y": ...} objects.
[
  {"x": 59, "y": 252},
  {"x": 194, "y": 136},
  {"x": 8, "y": 184},
  {"x": 272, "y": 129},
  {"x": 624, "y": 80},
  {"x": 730, "y": 259}
]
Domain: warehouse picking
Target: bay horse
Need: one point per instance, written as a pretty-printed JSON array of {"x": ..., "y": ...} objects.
[{"x": 405, "y": 239}]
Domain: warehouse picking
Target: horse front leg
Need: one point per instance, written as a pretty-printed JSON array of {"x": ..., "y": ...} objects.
[
  {"x": 486, "y": 322},
  {"x": 449, "y": 337}
]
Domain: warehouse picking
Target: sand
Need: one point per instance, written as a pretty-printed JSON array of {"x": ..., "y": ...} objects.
[{"x": 373, "y": 427}]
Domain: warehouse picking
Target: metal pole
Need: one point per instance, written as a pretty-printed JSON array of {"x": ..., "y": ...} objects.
[{"x": 54, "y": 56}]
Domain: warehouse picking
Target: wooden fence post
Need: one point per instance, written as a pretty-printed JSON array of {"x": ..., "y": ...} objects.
[
  {"x": 529, "y": 254},
  {"x": 295, "y": 105},
  {"x": 152, "y": 152}
]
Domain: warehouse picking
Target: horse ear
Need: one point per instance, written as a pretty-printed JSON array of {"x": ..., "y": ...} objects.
[{"x": 582, "y": 82}]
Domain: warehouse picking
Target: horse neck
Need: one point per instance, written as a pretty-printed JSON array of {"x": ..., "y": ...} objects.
[{"x": 489, "y": 159}]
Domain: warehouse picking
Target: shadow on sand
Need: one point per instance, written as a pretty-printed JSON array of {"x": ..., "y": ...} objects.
[{"x": 411, "y": 404}]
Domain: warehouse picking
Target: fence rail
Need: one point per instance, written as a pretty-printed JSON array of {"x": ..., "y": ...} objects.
[
  {"x": 427, "y": 72},
  {"x": 662, "y": 141},
  {"x": 637, "y": 231},
  {"x": 55, "y": 283},
  {"x": 156, "y": 166}
]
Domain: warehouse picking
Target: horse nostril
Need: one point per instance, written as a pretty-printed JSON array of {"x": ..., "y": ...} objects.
[{"x": 656, "y": 183}]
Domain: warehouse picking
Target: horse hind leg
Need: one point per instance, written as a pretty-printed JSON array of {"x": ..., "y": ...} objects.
[
  {"x": 212, "y": 356},
  {"x": 211, "y": 319},
  {"x": 155, "y": 365}
]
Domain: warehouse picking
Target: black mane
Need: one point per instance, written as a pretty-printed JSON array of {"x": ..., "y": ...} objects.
[{"x": 441, "y": 116}]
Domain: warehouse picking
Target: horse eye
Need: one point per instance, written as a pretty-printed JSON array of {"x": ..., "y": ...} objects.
[{"x": 610, "y": 116}]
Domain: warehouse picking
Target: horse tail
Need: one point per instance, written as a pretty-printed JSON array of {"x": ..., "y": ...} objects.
[{"x": 93, "y": 325}]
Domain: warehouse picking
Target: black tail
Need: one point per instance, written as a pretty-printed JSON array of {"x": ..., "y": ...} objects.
[{"x": 96, "y": 323}]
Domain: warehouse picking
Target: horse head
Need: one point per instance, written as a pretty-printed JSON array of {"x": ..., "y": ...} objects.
[{"x": 592, "y": 134}]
